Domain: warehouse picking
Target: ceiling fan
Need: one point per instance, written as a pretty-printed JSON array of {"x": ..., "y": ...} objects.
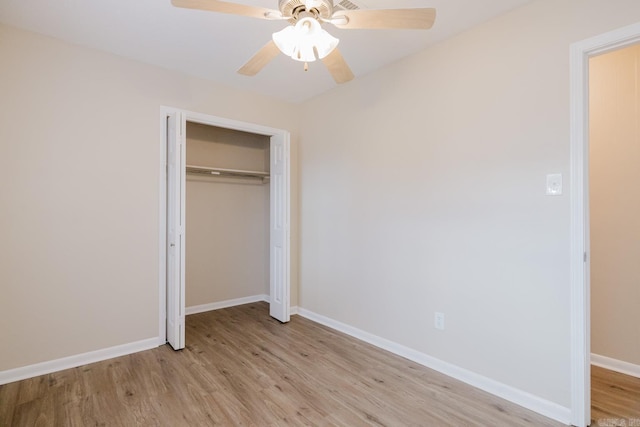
[{"x": 305, "y": 40}]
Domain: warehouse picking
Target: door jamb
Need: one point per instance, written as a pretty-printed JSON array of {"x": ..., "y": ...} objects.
[
  {"x": 210, "y": 120},
  {"x": 580, "y": 250}
]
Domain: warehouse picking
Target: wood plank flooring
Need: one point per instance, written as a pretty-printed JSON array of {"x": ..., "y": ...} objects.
[
  {"x": 242, "y": 368},
  {"x": 615, "y": 399}
]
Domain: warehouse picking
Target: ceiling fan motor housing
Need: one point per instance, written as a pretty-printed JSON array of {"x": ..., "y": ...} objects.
[{"x": 319, "y": 8}]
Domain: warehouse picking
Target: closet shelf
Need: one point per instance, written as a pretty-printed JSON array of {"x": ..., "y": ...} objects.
[{"x": 205, "y": 170}]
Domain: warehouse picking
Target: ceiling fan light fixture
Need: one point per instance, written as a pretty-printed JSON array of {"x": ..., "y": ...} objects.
[{"x": 306, "y": 41}]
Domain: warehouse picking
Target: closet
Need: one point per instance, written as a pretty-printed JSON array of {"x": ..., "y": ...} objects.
[{"x": 227, "y": 216}]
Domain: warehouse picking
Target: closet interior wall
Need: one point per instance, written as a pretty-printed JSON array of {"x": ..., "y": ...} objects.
[{"x": 227, "y": 218}]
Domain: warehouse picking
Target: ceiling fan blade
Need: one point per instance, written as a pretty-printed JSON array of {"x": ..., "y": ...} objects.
[
  {"x": 416, "y": 19},
  {"x": 338, "y": 67},
  {"x": 226, "y": 7},
  {"x": 260, "y": 59}
]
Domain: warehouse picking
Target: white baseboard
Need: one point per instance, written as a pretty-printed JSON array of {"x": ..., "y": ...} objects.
[
  {"x": 615, "y": 365},
  {"x": 514, "y": 395},
  {"x": 69, "y": 362},
  {"x": 224, "y": 304},
  {"x": 50, "y": 366},
  {"x": 232, "y": 303}
]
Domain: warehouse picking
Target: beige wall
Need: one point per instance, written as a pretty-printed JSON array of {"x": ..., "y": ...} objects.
[
  {"x": 427, "y": 193},
  {"x": 227, "y": 252},
  {"x": 80, "y": 135},
  {"x": 614, "y": 181}
]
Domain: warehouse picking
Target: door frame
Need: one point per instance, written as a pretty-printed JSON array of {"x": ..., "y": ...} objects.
[
  {"x": 580, "y": 257},
  {"x": 210, "y": 120}
]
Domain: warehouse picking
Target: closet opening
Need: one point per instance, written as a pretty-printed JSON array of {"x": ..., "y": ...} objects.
[{"x": 225, "y": 221}]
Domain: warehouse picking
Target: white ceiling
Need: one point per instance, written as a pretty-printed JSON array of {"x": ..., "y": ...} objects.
[{"x": 213, "y": 46}]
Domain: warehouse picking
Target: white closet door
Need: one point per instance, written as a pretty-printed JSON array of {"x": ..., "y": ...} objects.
[
  {"x": 279, "y": 233},
  {"x": 176, "y": 171}
]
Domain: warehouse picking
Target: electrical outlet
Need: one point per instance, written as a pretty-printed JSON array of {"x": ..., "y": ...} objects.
[{"x": 438, "y": 322}]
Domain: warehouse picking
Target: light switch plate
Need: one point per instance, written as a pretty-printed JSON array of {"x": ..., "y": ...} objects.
[{"x": 554, "y": 184}]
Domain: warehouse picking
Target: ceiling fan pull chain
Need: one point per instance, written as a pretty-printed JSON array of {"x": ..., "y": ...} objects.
[{"x": 306, "y": 66}]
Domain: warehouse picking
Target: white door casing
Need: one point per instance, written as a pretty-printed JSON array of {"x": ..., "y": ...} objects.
[
  {"x": 175, "y": 241},
  {"x": 580, "y": 254}
]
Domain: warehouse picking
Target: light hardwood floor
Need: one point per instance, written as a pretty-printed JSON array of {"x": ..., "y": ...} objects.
[
  {"x": 615, "y": 399},
  {"x": 241, "y": 367}
]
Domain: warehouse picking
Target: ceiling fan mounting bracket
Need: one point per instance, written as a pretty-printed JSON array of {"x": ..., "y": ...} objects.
[{"x": 321, "y": 9}]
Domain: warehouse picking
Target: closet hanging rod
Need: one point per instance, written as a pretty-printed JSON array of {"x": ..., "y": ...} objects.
[{"x": 205, "y": 170}]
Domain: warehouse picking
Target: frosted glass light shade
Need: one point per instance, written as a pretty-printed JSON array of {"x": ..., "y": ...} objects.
[{"x": 306, "y": 41}]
